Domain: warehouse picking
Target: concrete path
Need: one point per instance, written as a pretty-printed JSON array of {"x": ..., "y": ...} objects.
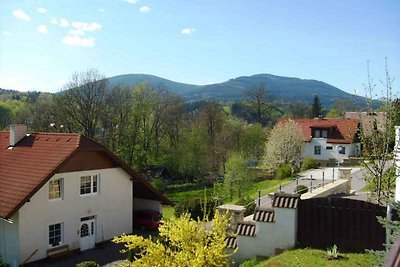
[{"x": 329, "y": 174}]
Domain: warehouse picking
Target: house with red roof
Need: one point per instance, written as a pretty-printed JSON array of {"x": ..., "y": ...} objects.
[
  {"x": 330, "y": 140},
  {"x": 66, "y": 192}
]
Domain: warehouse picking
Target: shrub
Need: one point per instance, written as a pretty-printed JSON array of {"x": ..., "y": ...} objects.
[
  {"x": 249, "y": 204},
  {"x": 174, "y": 188},
  {"x": 284, "y": 171},
  {"x": 87, "y": 264},
  {"x": 159, "y": 183},
  {"x": 309, "y": 163},
  {"x": 301, "y": 189},
  {"x": 197, "y": 207}
]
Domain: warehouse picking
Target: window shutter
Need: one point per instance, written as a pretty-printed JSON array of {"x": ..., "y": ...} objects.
[{"x": 98, "y": 184}]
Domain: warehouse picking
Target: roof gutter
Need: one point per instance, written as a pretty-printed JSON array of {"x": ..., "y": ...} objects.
[{"x": 7, "y": 220}]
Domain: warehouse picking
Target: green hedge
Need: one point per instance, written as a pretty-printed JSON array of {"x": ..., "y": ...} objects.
[
  {"x": 175, "y": 188},
  {"x": 309, "y": 163},
  {"x": 284, "y": 171},
  {"x": 195, "y": 207}
]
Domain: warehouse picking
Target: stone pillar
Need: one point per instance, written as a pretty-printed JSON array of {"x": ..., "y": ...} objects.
[
  {"x": 345, "y": 174},
  {"x": 236, "y": 214}
]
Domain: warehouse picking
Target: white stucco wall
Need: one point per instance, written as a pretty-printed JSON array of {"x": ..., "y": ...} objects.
[
  {"x": 269, "y": 236},
  {"x": 308, "y": 150},
  {"x": 146, "y": 204},
  {"x": 112, "y": 207},
  {"x": 9, "y": 251}
]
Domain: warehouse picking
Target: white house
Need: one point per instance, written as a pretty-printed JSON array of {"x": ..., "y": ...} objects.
[
  {"x": 64, "y": 190},
  {"x": 329, "y": 140}
]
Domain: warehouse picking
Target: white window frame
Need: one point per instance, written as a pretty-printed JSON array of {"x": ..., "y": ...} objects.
[
  {"x": 329, "y": 148},
  {"x": 94, "y": 186},
  {"x": 315, "y": 150},
  {"x": 61, "y": 184},
  {"x": 61, "y": 242},
  {"x": 340, "y": 149},
  {"x": 317, "y": 135}
]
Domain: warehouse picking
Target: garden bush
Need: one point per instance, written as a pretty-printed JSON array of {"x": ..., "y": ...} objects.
[
  {"x": 87, "y": 264},
  {"x": 160, "y": 184},
  {"x": 284, "y": 171},
  {"x": 249, "y": 204},
  {"x": 197, "y": 207},
  {"x": 309, "y": 163},
  {"x": 301, "y": 189},
  {"x": 175, "y": 188}
]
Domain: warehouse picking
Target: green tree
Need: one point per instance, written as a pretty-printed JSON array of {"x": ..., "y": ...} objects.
[
  {"x": 5, "y": 115},
  {"x": 237, "y": 176},
  {"x": 258, "y": 97},
  {"x": 316, "y": 107}
]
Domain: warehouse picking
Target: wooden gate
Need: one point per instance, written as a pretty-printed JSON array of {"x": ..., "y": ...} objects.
[{"x": 350, "y": 224}]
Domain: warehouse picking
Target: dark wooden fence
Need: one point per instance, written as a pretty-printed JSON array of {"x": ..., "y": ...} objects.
[{"x": 350, "y": 224}]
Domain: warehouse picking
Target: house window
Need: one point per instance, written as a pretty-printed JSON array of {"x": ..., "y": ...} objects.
[
  {"x": 56, "y": 233},
  {"x": 317, "y": 150},
  {"x": 342, "y": 150},
  {"x": 89, "y": 184},
  {"x": 317, "y": 133},
  {"x": 329, "y": 148},
  {"x": 56, "y": 189},
  {"x": 324, "y": 133}
]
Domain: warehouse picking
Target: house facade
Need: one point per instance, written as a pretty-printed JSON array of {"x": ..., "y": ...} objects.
[
  {"x": 59, "y": 190},
  {"x": 330, "y": 140}
]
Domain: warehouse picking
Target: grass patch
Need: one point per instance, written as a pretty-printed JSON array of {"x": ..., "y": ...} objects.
[
  {"x": 314, "y": 257},
  {"x": 180, "y": 196},
  {"x": 168, "y": 212}
]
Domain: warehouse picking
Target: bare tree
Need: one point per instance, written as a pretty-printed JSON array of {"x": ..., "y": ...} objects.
[
  {"x": 377, "y": 145},
  {"x": 80, "y": 104},
  {"x": 258, "y": 95}
]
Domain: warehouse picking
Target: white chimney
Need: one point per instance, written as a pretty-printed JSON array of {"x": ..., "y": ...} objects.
[{"x": 17, "y": 132}]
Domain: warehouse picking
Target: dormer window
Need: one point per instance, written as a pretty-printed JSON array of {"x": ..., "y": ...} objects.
[{"x": 318, "y": 133}]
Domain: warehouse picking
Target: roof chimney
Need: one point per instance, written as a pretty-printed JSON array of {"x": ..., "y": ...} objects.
[{"x": 17, "y": 132}]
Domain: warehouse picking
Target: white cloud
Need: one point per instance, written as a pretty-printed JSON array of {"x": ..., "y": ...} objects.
[
  {"x": 64, "y": 23},
  {"x": 131, "y": 1},
  {"x": 42, "y": 10},
  {"x": 7, "y": 33},
  {"x": 20, "y": 14},
  {"x": 79, "y": 29},
  {"x": 75, "y": 40},
  {"x": 188, "y": 31},
  {"x": 101, "y": 10},
  {"x": 42, "y": 29},
  {"x": 145, "y": 9}
]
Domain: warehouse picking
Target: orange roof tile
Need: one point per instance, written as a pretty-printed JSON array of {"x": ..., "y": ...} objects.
[
  {"x": 342, "y": 131},
  {"x": 26, "y": 167}
]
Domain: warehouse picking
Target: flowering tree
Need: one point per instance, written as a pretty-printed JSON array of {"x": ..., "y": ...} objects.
[
  {"x": 181, "y": 242},
  {"x": 284, "y": 144}
]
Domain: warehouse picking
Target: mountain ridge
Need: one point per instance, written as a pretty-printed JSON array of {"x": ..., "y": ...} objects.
[{"x": 281, "y": 88}]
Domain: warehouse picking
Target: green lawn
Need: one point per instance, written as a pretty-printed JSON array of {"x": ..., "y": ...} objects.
[
  {"x": 265, "y": 187},
  {"x": 313, "y": 257}
]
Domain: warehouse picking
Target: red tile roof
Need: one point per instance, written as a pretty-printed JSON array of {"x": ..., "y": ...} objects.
[
  {"x": 342, "y": 131},
  {"x": 26, "y": 167}
]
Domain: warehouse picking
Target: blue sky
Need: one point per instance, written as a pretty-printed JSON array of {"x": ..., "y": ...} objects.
[{"x": 43, "y": 42}]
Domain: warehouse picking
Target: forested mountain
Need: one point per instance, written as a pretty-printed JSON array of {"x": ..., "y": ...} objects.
[{"x": 279, "y": 88}]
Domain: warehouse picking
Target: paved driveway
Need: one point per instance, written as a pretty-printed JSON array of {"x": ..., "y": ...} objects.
[
  {"x": 104, "y": 254},
  {"x": 329, "y": 174}
]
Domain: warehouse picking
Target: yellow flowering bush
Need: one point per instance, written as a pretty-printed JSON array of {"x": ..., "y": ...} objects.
[{"x": 181, "y": 242}]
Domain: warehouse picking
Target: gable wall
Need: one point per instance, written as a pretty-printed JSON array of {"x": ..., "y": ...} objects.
[
  {"x": 308, "y": 150},
  {"x": 112, "y": 208}
]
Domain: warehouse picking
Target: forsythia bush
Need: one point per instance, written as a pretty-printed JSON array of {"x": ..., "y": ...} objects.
[{"x": 181, "y": 242}]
